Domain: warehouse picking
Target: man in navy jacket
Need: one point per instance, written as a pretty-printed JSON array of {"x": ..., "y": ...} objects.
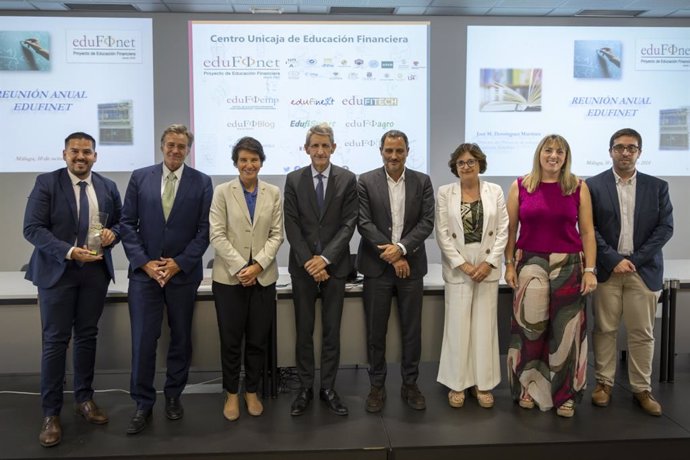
[
  {"x": 633, "y": 220},
  {"x": 165, "y": 232},
  {"x": 72, "y": 281}
]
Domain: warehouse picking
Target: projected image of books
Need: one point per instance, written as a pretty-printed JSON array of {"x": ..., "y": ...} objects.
[
  {"x": 24, "y": 50},
  {"x": 597, "y": 59},
  {"x": 510, "y": 90}
]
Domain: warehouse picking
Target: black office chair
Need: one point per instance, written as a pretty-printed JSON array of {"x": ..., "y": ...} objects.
[{"x": 209, "y": 264}]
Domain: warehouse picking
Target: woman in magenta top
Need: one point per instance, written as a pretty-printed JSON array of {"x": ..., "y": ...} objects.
[{"x": 551, "y": 269}]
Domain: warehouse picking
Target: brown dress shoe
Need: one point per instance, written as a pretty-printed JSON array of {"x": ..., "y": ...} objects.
[
  {"x": 51, "y": 431},
  {"x": 231, "y": 408},
  {"x": 648, "y": 403},
  {"x": 91, "y": 412},
  {"x": 376, "y": 399},
  {"x": 601, "y": 396},
  {"x": 254, "y": 406}
]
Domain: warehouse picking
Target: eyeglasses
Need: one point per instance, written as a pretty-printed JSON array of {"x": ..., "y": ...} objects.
[
  {"x": 620, "y": 148},
  {"x": 468, "y": 163}
]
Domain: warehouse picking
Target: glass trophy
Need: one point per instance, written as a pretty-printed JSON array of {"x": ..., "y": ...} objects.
[{"x": 93, "y": 238}]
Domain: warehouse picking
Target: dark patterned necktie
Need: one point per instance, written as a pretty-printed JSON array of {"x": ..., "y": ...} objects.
[
  {"x": 319, "y": 192},
  {"x": 83, "y": 227}
]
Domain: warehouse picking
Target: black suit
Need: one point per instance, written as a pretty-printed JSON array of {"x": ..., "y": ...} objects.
[
  {"x": 71, "y": 295},
  {"x": 328, "y": 233},
  {"x": 380, "y": 280}
]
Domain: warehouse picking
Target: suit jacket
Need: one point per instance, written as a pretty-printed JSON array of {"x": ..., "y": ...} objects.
[
  {"x": 653, "y": 226},
  {"x": 51, "y": 223},
  {"x": 147, "y": 236},
  {"x": 306, "y": 228},
  {"x": 375, "y": 221},
  {"x": 235, "y": 237},
  {"x": 450, "y": 234}
]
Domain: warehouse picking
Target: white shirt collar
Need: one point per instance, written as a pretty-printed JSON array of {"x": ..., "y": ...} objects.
[
  {"x": 326, "y": 172},
  {"x": 75, "y": 180},
  {"x": 177, "y": 172},
  {"x": 629, "y": 180},
  {"x": 400, "y": 179}
]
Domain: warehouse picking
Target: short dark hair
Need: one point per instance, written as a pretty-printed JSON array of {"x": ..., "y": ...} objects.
[
  {"x": 81, "y": 135},
  {"x": 250, "y": 144},
  {"x": 178, "y": 129},
  {"x": 626, "y": 132},
  {"x": 395, "y": 134},
  {"x": 474, "y": 150}
]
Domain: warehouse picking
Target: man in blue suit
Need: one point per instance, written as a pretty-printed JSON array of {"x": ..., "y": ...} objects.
[
  {"x": 165, "y": 232},
  {"x": 633, "y": 220},
  {"x": 72, "y": 281}
]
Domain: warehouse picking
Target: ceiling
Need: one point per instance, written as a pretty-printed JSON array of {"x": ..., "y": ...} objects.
[{"x": 549, "y": 8}]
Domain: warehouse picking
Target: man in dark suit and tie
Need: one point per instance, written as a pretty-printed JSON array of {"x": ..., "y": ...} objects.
[
  {"x": 396, "y": 215},
  {"x": 165, "y": 232},
  {"x": 633, "y": 220},
  {"x": 72, "y": 279},
  {"x": 320, "y": 217}
]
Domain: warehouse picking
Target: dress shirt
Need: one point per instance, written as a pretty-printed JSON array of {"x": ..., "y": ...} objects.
[
  {"x": 178, "y": 174},
  {"x": 250, "y": 199},
  {"x": 626, "y": 201},
  {"x": 396, "y": 195},
  {"x": 90, "y": 194},
  {"x": 326, "y": 173}
]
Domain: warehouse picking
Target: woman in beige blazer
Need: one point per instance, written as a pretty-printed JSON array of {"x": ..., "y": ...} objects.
[
  {"x": 472, "y": 231},
  {"x": 246, "y": 221}
]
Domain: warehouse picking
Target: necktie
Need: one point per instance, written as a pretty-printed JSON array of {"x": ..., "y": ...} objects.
[
  {"x": 83, "y": 227},
  {"x": 319, "y": 192},
  {"x": 169, "y": 194}
]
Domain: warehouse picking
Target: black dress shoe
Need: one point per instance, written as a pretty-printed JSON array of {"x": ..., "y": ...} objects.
[
  {"x": 138, "y": 421},
  {"x": 301, "y": 402},
  {"x": 332, "y": 400},
  {"x": 173, "y": 408},
  {"x": 412, "y": 396}
]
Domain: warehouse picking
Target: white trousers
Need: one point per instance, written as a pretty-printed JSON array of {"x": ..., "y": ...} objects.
[{"x": 469, "y": 352}]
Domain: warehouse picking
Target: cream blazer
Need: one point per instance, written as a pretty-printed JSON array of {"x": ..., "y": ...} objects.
[
  {"x": 234, "y": 237},
  {"x": 451, "y": 237}
]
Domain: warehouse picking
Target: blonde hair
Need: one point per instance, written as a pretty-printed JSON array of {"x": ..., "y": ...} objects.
[{"x": 566, "y": 179}]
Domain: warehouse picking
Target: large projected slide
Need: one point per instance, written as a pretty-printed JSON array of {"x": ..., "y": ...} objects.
[
  {"x": 60, "y": 75},
  {"x": 272, "y": 81},
  {"x": 584, "y": 83}
]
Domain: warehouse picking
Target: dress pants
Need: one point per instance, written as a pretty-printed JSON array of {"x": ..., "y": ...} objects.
[
  {"x": 74, "y": 303},
  {"x": 469, "y": 351},
  {"x": 625, "y": 297},
  {"x": 147, "y": 300},
  {"x": 378, "y": 294},
  {"x": 305, "y": 291},
  {"x": 243, "y": 313}
]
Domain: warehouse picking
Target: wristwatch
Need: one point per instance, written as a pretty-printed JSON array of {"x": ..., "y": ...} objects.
[{"x": 592, "y": 270}]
